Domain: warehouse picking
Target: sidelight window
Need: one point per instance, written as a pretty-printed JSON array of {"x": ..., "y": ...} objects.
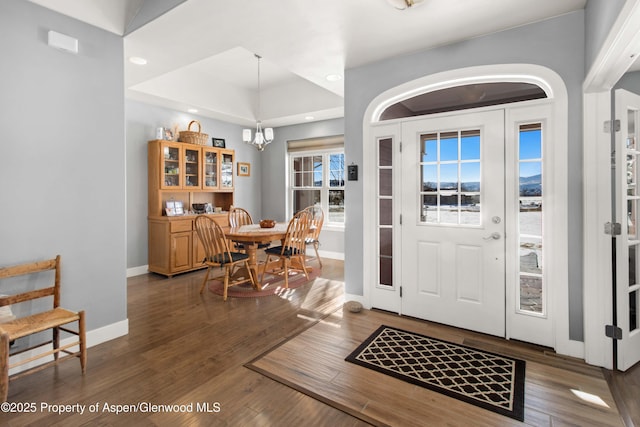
[{"x": 530, "y": 219}]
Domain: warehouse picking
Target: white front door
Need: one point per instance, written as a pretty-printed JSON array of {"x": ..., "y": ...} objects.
[
  {"x": 627, "y": 196},
  {"x": 452, "y": 232}
]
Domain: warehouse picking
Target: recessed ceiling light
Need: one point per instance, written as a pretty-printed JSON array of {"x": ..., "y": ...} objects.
[
  {"x": 334, "y": 77},
  {"x": 138, "y": 60},
  {"x": 192, "y": 110}
]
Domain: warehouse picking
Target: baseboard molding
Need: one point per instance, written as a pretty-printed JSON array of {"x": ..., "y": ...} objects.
[
  {"x": 137, "y": 271},
  {"x": 571, "y": 348},
  {"x": 358, "y": 298},
  {"x": 94, "y": 337},
  {"x": 328, "y": 254}
]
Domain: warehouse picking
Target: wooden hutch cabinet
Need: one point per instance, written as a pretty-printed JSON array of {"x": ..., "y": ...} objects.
[{"x": 187, "y": 173}]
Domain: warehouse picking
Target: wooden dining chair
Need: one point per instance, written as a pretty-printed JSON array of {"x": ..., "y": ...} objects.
[
  {"x": 217, "y": 253},
  {"x": 239, "y": 217},
  {"x": 317, "y": 218},
  {"x": 292, "y": 248}
]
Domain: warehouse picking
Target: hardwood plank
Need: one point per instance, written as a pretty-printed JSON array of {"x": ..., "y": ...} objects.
[
  {"x": 184, "y": 348},
  {"x": 314, "y": 361}
]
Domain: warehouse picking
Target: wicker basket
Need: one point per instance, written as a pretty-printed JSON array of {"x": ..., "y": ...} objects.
[{"x": 191, "y": 137}]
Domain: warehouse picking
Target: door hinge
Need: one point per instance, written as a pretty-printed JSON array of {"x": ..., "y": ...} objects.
[
  {"x": 616, "y": 126},
  {"x": 400, "y": 219},
  {"x": 613, "y": 228},
  {"x": 400, "y": 145},
  {"x": 400, "y": 291},
  {"x": 613, "y": 331}
]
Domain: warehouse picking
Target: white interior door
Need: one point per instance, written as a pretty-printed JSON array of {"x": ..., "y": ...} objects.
[
  {"x": 452, "y": 232},
  {"x": 627, "y": 194}
]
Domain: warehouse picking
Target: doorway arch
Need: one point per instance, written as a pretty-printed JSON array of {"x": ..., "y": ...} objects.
[{"x": 557, "y": 97}]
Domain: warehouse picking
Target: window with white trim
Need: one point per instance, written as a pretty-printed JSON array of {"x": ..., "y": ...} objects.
[{"x": 317, "y": 176}]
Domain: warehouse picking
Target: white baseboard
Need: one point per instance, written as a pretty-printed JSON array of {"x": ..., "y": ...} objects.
[
  {"x": 358, "y": 298},
  {"x": 571, "y": 348},
  {"x": 137, "y": 271},
  {"x": 328, "y": 254},
  {"x": 94, "y": 337}
]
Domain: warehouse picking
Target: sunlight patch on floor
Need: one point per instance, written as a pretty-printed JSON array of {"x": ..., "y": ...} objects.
[{"x": 590, "y": 398}]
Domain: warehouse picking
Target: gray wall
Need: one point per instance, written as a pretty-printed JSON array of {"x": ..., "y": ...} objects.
[
  {"x": 557, "y": 43},
  {"x": 630, "y": 82},
  {"x": 274, "y": 181},
  {"x": 141, "y": 123},
  {"x": 599, "y": 17},
  {"x": 62, "y": 171}
]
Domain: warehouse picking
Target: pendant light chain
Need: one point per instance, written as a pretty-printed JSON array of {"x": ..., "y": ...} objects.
[{"x": 262, "y": 136}]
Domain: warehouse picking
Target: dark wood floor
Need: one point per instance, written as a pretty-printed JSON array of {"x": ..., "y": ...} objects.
[{"x": 188, "y": 349}]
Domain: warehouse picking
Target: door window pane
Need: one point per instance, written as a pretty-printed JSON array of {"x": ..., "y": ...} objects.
[
  {"x": 429, "y": 147},
  {"x": 633, "y": 257},
  {"x": 385, "y": 179},
  {"x": 450, "y": 181},
  {"x": 530, "y": 144},
  {"x": 470, "y": 177},
  {"x": 633, "y": 311},
  {"x": 449, "y": 146},
  {"x": 449, "y": 177},
  {"x": 429, "y": 178},
  {"x": 470, "y": 145}
]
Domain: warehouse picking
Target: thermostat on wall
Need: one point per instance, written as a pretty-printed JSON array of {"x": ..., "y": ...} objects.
[{"x": 352, "y": 172}]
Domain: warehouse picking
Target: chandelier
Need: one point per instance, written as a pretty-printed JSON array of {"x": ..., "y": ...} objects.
[{"x": 262, "y": 136}]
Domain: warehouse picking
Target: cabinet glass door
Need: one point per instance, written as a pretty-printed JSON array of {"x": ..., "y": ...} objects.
[
  {"x": 192, "y": 167},
  {"x": 210, "y": 168},
  {"x": 170, "y": 167},
  {"x": 226, "y": 170}
]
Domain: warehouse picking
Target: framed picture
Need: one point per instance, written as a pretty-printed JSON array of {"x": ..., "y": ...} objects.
[
  {"x": 218, "y": 142},
  {"x": 244, "y": 169},
  {"x": 174, "y": 208}
]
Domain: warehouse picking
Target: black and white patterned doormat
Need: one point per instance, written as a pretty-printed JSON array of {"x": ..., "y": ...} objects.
[{"x": 484, "y": 379}]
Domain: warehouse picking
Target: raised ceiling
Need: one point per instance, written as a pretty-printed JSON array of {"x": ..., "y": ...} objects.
[{"x": 201, "y": 52}]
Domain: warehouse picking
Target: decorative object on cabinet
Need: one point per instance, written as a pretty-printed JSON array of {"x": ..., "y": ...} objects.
[
  {"x": 261, "y": 138},
  {"x": 174, "y": 208},
  {"x": 192, "y": 137},
  {"x": 218, "y": 142},
  {"x": 244, "y": 169},
  {"x": 199, "y": 208}
]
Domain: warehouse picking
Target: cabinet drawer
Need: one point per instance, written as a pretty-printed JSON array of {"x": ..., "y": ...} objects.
[{"x": 182, "y": 225}]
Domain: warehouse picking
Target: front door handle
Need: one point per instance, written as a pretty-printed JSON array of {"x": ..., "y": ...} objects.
[{"x": 493, "y": 236}]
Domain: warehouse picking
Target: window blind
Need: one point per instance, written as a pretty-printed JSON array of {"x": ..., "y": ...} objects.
[{"x": 315, "y": 144}]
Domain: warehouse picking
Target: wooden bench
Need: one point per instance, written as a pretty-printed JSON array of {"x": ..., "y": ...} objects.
[{"x": 53, "y": 319}]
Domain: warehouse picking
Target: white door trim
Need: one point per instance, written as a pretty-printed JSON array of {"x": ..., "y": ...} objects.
[
  {"x": 613, "y": 60},
  {"x": 556, "y": 92}
]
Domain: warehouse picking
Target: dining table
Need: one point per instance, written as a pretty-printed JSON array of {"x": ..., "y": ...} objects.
[{"x": 252, "y": 235}]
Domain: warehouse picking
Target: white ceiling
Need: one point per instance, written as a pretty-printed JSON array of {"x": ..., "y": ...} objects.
[{"x": 201, "y": 52}]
